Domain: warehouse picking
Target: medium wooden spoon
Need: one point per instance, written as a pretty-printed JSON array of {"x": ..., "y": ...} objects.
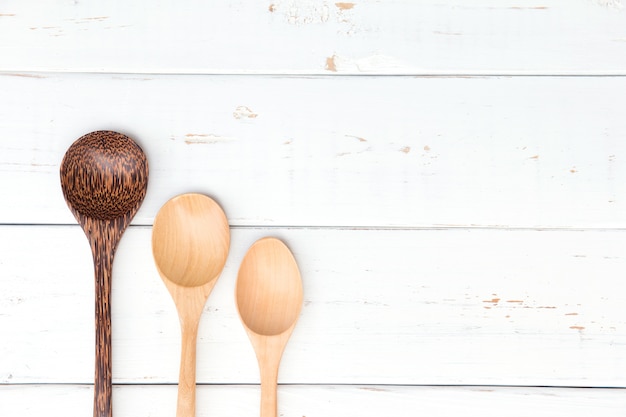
[
  {"x": 190, "y": 242},
  {"x": 104, "y": 177},
  {"x": 269, "y": 298}
]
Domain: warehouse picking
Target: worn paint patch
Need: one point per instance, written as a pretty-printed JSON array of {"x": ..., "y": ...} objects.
[
  {"x": 330, "y": 64},
  {"x": 368, "y": 64},
  {"x": 301, "y": 12},
  {"x": 244, "y": 112},
  {"x": 344, "y": 6},
  {"x": 6, "y": 14},
  {"x": 406, "y": 149}
]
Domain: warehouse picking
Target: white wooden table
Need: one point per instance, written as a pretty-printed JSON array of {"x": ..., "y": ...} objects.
[{"x": 450, "y": 175}]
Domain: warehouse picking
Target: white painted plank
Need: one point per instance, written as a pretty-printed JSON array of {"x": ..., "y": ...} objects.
[
  {"x": 322, "y": 401},
  {"x": 316, "y": 36},
  {"x": 488, "y": 307},
  {"x": 338, "y": 151}
]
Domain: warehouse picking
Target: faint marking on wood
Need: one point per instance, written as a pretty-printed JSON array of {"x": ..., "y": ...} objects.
[
  {"x": 427, "y": 148},
  {"x": 243, "y": 112},
  {"x": 345, "y": 6},
  {"x": 374, "y": 389},
  {"x": 571, "y": 314},
  {"x": 617, "y": 4},
  {"x": 6, "y": 14},
  {"x": 535, "y": 157},
  {"x": 204, "y": 139},
  {"x": 438, "y": 32},
  {"x": 577, "y": 327},
  {"x": 573, "y": 170},
  {"x": 529, "y": 8},
  {"x": 360, "y": 139},
  {"x": 406, "y": 149},
  {"x": 272, "y": 8},
  {"x": 24, "y": 75},
  {"x": 494, "y": 300}
]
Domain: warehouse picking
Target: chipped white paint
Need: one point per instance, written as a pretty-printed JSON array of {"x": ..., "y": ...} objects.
[
  {"x": 298, "y": 36},
  {"x": 399, "y": 307},
  {"x": 336, "y": 151},
  {"x": 321, "y": 401}
]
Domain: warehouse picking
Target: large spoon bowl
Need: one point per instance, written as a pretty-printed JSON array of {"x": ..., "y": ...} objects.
[
  {"x": 190, "y": 243},
  {"x": 269, "y": 299},
  {"x": 104, "y": 178}
]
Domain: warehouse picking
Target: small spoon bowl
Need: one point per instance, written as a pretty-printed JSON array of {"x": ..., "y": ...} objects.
[
  {"x": 104, "y": 178},
  {"x": 190, "y": 243},
  {"x": 269, "y": 299}
]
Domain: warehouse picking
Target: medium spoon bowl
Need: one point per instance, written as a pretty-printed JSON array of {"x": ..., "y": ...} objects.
[
  {"x": 190, "y": 243},
  {"x": 269, "y": 299},
  {"x": 104, "y": 178}
]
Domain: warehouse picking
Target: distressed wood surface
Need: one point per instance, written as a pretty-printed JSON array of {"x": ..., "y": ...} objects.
[
  {"x": 323, "y": 401},
  {"x": 316, "y": 37},
  {"x": 449, "y": 175},
  {"x": 335, "y": 151},
  {"x": 444, "y": 307}
]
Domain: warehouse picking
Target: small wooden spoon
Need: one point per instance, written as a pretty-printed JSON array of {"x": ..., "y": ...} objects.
[
  {"x": 269, "y": 299},
  {"x": 104, "y": 177},
  {"x": 190, "y": 242}
]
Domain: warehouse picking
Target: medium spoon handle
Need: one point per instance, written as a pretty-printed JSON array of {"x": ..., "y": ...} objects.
[{"x": 186, "y": 403}]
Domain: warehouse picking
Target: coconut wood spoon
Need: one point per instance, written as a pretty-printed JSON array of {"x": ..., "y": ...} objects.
[
  {"x": 190, "y": 242},
  {"x": 269, "y": 298},
  {"x": 104, "y": 177}
]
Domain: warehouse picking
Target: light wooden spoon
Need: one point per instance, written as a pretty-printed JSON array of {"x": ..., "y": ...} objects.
[
  {"x": 269, "y": 298},
  {"x": 190, "y": 242},
  {"x": 104, "y": 177}
]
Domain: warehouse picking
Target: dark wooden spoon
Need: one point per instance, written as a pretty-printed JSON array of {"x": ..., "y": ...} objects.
[{"x": 104, "y": 177}]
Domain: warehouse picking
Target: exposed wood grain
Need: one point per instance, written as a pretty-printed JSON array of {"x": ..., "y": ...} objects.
[
  {"x": 323, "y": 401},
  {"x": 336, "y": 151},
  {"x": 381, "y": 307},
  {"x": 317, "y": 36}
]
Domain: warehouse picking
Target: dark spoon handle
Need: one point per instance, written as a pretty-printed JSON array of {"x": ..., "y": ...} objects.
[{"x": 103, "y": 246}]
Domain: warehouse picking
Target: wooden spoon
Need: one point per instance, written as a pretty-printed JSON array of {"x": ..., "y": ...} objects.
[
  {"x": 269, "y": 298},
  {"x": 104, "y": 177},
  {"x": 190, "y": 242}
]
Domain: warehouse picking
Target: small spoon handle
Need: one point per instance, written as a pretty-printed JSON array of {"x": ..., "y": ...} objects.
[
  {"x": 186, "y": 403},
  {"x": 103, "y": 262},
  {"x": 269, "y": 381}
]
